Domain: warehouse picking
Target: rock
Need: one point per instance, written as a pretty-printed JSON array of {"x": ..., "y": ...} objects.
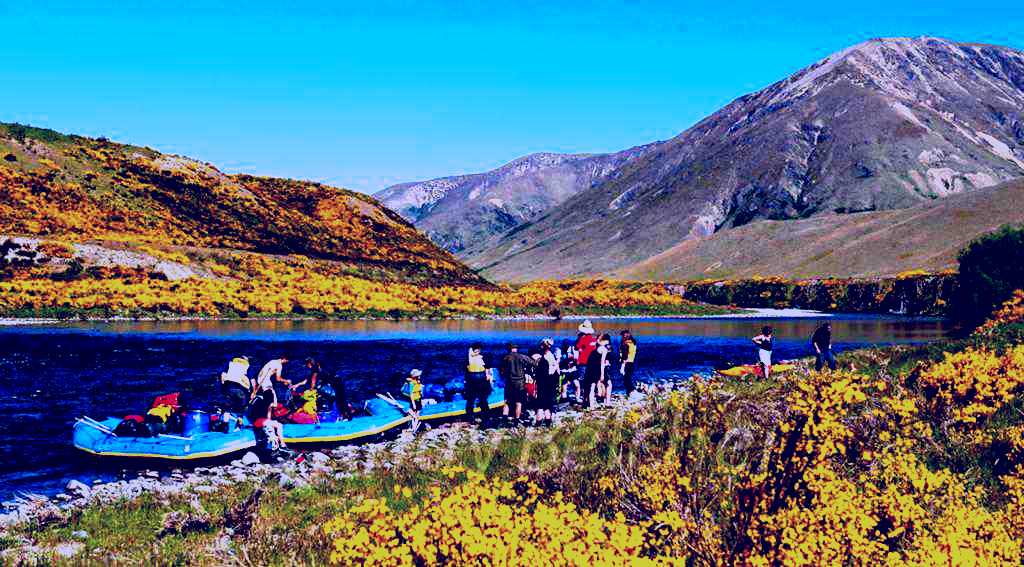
[
  {"x": 68, "y": 549},
  {"x": 179, "y": 522},
  {"x": 250, "y": 459},
  {"x": 205, "y": 489},
  {"x": 80, "y": 534},
  {"x": 78, "y": 488},
  {"x": 286, "y": 481},
  {"x": 318, "y": 458}
]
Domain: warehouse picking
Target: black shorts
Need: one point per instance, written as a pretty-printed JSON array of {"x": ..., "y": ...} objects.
[
  {"x": 416, "y": 405},
  {"x": 515, "y": 392}
]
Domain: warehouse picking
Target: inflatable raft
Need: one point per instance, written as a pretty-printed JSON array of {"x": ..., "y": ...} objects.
[
  {"x": 98, "y": 438},
  {"x": 381, "y": 415},
  {"x": 755, "y": 370}
]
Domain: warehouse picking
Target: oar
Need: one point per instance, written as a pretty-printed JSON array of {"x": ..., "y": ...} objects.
[
  {"x": 391, "y": 400},
  {"x": 86, "y": 420}
]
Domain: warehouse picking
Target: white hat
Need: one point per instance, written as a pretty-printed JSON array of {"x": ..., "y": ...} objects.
[
  {"x": 547, "y": 341},
  {"x": 586, "y": 327},
  {"x": 415, "y": 373}
]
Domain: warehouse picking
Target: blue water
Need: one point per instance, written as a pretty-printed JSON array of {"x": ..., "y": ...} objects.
[{"x": 51, "y": 374}]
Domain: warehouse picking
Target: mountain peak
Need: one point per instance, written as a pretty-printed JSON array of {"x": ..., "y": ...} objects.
[{"x": 884, "y": 124}]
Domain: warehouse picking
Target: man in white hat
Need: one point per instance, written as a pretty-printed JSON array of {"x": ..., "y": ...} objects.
[{"x": 586, "y": 343}]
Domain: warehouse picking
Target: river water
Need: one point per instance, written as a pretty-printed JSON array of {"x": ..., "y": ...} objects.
[{"x": 51, "y": 374}]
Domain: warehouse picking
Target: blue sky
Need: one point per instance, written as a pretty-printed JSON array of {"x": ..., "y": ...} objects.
[{"x": 374, "y": 93}]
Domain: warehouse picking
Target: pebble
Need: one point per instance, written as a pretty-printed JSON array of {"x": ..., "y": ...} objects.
[
  {"x": 77, "y": 488},
  {"x": 318, "y": 458},
  {"x": 68, "y": 549},
  {"x": 249, "y": 459},
  {"x": 80, "y": 534}
]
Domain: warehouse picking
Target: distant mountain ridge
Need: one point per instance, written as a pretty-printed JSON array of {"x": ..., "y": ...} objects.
[
  {"x": 465, "y": 211},
  {"x": 927, "y": 236},
  {"x": 882, "y": 125}
]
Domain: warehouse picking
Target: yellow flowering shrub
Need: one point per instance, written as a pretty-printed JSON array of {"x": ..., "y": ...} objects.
[
  {"x": 1011, "y": 312},
  {"x": 974, "y": 384},
  {"x": 484, "y": 522}
]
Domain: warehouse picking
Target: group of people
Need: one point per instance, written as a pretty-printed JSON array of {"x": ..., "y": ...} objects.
[
  {"x": 541, "y": 377},
  {"x": 258, "y": 399},
  {"x": 821, "y": 342}
]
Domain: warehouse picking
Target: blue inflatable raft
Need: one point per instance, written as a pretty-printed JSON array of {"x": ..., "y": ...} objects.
[
  {"x": 382, "y": 414},
  {"x": 98, "y": 438}
]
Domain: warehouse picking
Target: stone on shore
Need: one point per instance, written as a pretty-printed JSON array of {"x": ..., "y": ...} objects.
[
  {"x": 78, "y": 488},
  {"x": 250, "y": 459}
]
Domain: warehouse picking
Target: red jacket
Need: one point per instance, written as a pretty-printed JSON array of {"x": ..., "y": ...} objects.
[{"x": 584, "y": 346}]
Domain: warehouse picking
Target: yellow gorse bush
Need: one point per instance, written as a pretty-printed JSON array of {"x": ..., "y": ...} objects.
[
  {"x": 255, "y": 284},
  {"x": 484, "y": 522},
  {"x": 974, "y": 384}
]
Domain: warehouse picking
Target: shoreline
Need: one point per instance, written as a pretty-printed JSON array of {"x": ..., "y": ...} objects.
[
  {"x": 741, "y": 313},
  {"x": 340, "y": 462}
]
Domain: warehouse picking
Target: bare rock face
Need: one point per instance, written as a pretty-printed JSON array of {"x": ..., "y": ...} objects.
[
  {"x": 885, "y": 124},
  {"x": 464, "y": 211}
]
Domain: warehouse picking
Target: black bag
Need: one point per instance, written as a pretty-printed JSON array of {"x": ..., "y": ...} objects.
[{"x": 132, "y": 428}]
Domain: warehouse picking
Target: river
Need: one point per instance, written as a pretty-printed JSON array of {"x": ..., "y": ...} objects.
[{"x": 51, "y": 374}]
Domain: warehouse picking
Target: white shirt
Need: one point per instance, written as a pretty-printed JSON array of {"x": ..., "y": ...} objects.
[
  {"x": 552, "y": 362},
  {"x": 269, "y": 370}
]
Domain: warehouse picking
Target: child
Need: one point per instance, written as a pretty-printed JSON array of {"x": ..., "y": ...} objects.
[{"x": 413, "y": 389}]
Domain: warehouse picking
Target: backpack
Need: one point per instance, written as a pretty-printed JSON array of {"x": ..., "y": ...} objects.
[{"x": 130, "y": 427}]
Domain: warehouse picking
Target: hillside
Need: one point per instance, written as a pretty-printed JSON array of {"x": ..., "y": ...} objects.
[
  {"x": 926, "y": 237},
  {"x": 467, "y": 211},
  {"x": 75, "y": 189},
  {"x": 883, "y": 125}
]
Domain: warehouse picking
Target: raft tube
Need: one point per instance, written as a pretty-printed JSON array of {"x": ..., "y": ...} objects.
[
  {"x": 755, "y": 370},
  {"x": 98, "y": 438}
]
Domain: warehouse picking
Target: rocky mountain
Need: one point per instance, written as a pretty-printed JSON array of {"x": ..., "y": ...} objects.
[
  {"x": 72, "y": 189},
  {"x": 927, "y": 236},
  {"x": 465, "y": 211},
  {"x": 885, "y": 124}
]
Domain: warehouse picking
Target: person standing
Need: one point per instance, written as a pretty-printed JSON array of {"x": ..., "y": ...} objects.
[
  {"x": 547, "y": 383},
  {"x": 413, "y": 389},
  {"x": 309, "y": 383},
  {"x": 586, "y": 343},
  {"x": 567, "y": 369},
  {"x": 235, "y": 384},
  {"x": 271, "y": 372},
  {"x": 514, "y": 368},
  {"x": 477, "y": 387},
  {"x": 627, "y": 358},
  {"x": 822, "y": 342},
  {"x": 263, "y": 397},
  {"x": 765, "y": 343},
  {"x": 596, "y": 370}
]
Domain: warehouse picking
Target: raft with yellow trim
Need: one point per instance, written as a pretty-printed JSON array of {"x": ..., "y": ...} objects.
[
  {"x": 98, "y": 437},
  {"x": 755, "y": 370}
]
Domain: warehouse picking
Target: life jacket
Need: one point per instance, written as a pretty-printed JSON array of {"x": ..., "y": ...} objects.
[
  {"x": 163, "y": 412},
  {"x": 238, "y": 370},
  {"x": 309, "y": 402},
  {"x": 413, "y": 390},
  {"x": 476, "y": 362},
  {"x": 170, "y": 400}
]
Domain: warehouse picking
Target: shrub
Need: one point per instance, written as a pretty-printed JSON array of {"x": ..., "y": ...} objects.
[{"x": 991, "y": 269}]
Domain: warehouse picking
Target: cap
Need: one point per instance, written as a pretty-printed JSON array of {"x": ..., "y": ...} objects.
[{"x": 415, "y": 373}]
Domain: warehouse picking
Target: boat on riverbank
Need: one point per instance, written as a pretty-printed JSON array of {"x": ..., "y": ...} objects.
[{"x": 381, "y": 415}]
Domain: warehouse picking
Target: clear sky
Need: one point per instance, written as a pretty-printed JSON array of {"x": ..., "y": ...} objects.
[{"x": 369, "y": 94}]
